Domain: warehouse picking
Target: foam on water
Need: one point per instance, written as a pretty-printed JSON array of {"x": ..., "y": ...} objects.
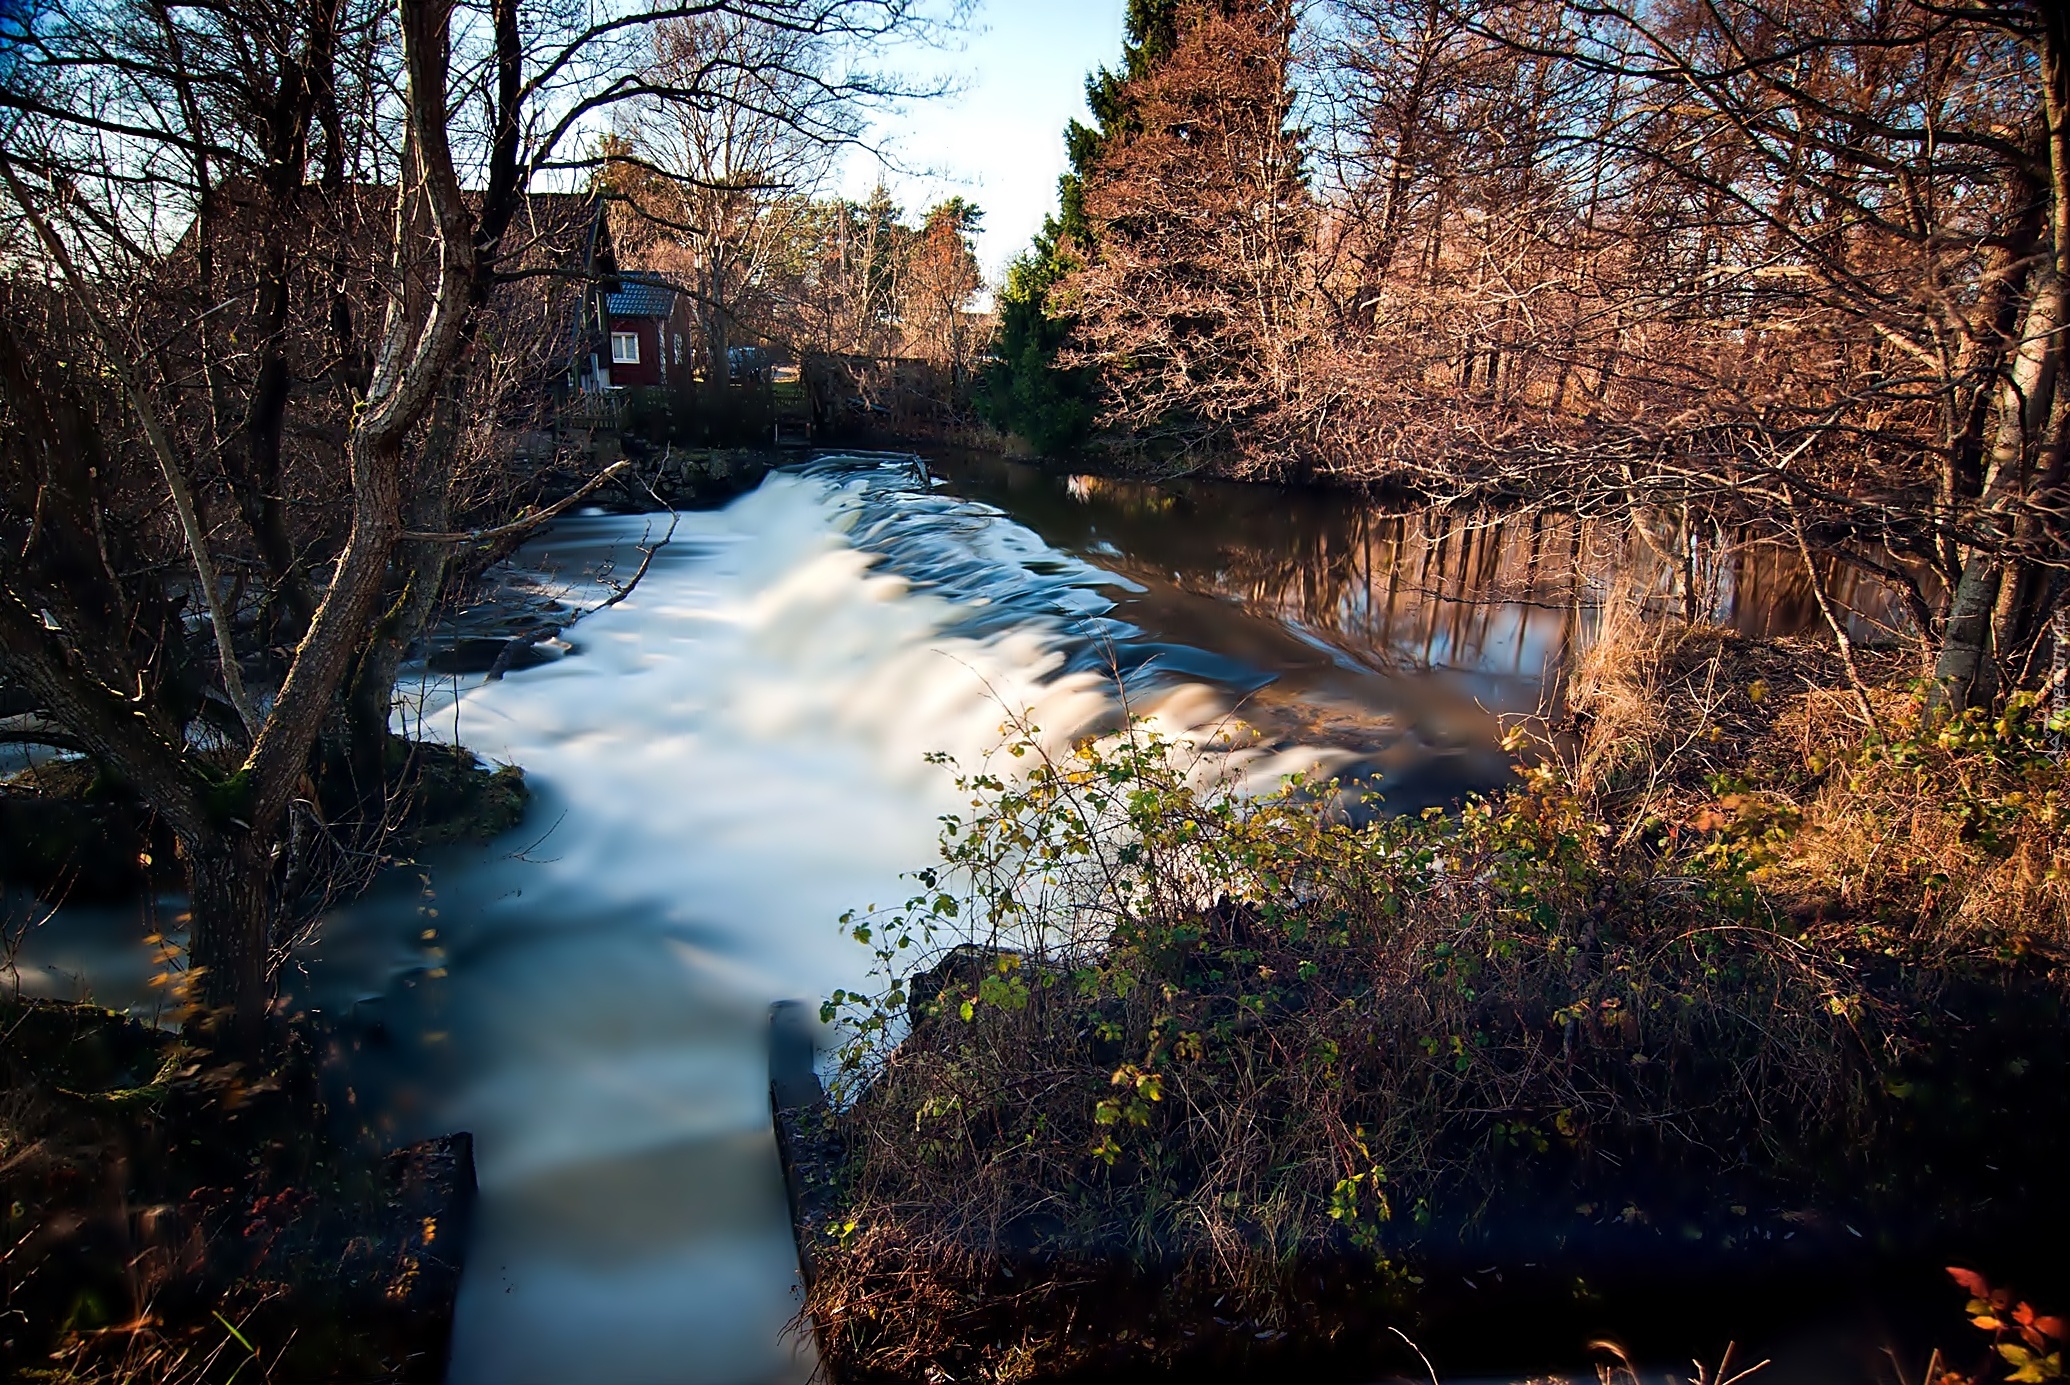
[
  {"x": 732, "y": 758},
  {"x": 728, "y": 760}
]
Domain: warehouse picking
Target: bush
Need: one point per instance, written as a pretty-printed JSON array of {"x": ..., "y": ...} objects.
[{"x": 1220, "y": 1038}]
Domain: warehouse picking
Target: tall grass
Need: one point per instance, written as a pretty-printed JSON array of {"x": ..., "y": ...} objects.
[{"x": 1931, "y": 840}]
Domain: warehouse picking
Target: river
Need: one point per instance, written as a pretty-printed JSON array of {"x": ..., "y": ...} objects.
[{"x": 735, "y": 753}]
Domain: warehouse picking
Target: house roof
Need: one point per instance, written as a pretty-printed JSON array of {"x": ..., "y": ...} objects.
[
  {"x": 558, "y": 230},
  {"x": 641, "y": 295}
]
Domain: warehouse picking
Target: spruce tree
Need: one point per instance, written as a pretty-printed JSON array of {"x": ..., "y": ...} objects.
[{"x": 1025, "y": 391}]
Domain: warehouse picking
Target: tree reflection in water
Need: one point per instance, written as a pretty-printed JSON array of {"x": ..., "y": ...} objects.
[{"x": 1366, "y": 620}]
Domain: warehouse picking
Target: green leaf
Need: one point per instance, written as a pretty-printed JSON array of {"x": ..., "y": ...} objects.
[{"x": 232, "y": 1328}]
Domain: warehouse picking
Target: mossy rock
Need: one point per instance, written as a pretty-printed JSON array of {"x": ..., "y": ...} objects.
[
  {"x": 459, "y": 797},
  {"x": 69, "y": 833}
]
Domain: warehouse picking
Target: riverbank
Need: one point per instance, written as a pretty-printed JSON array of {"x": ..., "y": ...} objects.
[
  {"x": 71, "y": 834},
  {"x": 178, "y": 1216},
  {"x": 181, "y": 1211},
  {"x": 1733, "y": 1014},
  {"x": 659, "y": 477}
]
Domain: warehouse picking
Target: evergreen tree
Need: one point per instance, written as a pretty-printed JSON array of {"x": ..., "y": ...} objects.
[
  {"x": 1025, "y": 391},
  {"x": 1194, "y": 314}
]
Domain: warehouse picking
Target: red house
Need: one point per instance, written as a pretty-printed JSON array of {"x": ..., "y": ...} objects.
[{"x": 650, "y": 333}]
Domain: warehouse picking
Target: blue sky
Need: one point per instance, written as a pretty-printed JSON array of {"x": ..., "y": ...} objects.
[{"x": 1000, "y": 140}]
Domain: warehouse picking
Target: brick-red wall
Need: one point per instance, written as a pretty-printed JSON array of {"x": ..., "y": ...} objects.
[{"x": 649, "y": 370}]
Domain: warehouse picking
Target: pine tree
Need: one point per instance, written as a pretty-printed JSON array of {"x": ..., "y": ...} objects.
[{"x": 1026, "y": 391}]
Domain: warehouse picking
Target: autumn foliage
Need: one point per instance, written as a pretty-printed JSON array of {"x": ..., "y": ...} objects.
[
  {"x": 1192, "y": 307},
  {"x": 2029, "y": 1343},
  {"x": 1804, "y": 268}
]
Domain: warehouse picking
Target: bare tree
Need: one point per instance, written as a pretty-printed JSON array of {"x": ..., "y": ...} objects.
[
  {"x": 1860, "y": 257},
  {"x": 941, "y": 278},
  {"x": 715, "y": 188},
  {"x": 1795, "y": 270},
  {"x": 1796, "y": 266},
  {"x": 132, "y": 128},
  {"x": 840, "y": 284}
]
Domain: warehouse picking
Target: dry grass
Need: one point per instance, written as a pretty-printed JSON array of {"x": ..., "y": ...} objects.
[
  {"x": 1209, "y": 1071},
  {"x": 1930, "y": 842},
  {"x": 1943, "y": 850}
]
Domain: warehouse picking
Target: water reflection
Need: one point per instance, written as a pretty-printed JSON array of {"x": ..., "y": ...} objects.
[
  {"x": 1400, "y": 635},
  {"x": 1410, "y": 590}
]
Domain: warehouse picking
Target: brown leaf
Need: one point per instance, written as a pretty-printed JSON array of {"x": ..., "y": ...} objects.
[{"x": 1971, "y": 1280}]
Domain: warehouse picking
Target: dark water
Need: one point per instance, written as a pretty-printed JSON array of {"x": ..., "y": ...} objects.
[{"x": 1403, "y": 636}]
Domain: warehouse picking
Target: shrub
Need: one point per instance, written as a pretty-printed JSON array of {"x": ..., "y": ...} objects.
[{"x": 1215, "y": 1035}]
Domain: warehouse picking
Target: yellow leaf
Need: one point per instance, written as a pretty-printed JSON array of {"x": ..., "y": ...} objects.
[{"x": 2031, "y": 1369}]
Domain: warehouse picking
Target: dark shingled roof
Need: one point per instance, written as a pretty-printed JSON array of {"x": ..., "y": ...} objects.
[{"x": 641, "y": 295}]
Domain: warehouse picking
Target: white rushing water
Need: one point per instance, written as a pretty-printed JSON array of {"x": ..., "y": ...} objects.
[
  {"x": 732, "y": 757},
  {"x": 724, "y": 763}
]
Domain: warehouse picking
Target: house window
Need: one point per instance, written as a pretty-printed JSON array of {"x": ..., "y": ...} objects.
[
  {"x": 625, "y": 348},
  {"x": 679, "y": 348}
]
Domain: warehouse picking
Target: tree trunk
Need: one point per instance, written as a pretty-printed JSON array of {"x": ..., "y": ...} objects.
[
  {"x": 2059, "y": 674},
  {"x": 719, "y": 372},
  {"x": 230, "y": 943},
  {"x": 1962, "y": 675},
  {"x": 418, "y": 579},
  {"x": 419, "y": 566},
  {"x": 2026, "y": 411}
]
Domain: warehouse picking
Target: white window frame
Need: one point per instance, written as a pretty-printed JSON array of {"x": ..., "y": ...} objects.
[{"x": 629, "y": 343}]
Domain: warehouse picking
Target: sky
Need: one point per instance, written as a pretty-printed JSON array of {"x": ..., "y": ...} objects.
[{"x": 999, "y": 141}]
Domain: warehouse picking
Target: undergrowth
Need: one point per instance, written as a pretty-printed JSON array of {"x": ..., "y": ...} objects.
[
  {"x": 1141, "y": 1018},
  {"x": 172, "y": 1218},
  {"x": 1918, "y": 838}
]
